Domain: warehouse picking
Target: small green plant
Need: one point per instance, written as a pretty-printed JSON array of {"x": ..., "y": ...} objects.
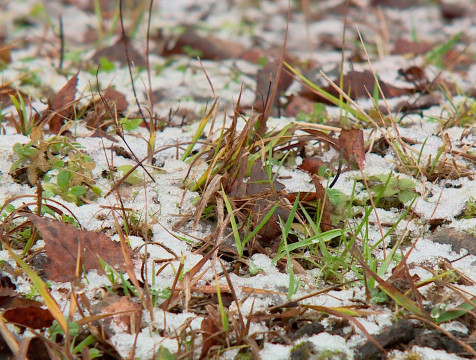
[
  {"x": 317, "y": 116},
  {"x": 130, "y": 124},
  {"x": 59, "y": 162},
  {"x": 394, "y": 189},
  {"x": 75, "y": 331},
  {"x": 117, "y": 280}
]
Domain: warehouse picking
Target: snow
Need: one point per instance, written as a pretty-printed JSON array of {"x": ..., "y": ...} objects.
[{"x": 165, "y": 202}]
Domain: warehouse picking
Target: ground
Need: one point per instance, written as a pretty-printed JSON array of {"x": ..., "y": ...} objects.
[{"x": 238, "y": 179}]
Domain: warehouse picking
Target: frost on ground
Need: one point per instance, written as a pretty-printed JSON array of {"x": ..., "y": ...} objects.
[{"x": 412, "y": 259}]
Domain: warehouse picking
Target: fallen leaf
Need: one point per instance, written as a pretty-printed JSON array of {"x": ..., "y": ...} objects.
[
  {"x": 352, "y": 141},
  {"x": 117, "y": 52},
  {"x": 210, "y": 335},
  {"x": 397, "y": 4},
  {"x": 99, "y": 112},
  {"x": 358, "y": 84},
  {"x": 403, "y": 46},
  {"x": 128, "y": 318},
  {"x": 61, "y": 245},
  {"x": 451, "y": 10},
  {"x": 312, "y": 165},
  {"x": 457, "y": 239},
  {"x": 6, "y": 91},
  {"x": 296, "y": 104},
  {"x": 264, "y": 83},
  {"x": 207, "y": 48},
  {"x": 5, "y": 53},
  {"x": 61, "y": 106},
  {"x": 31, "y": 317},
  {"x": 7, "y": 290}
]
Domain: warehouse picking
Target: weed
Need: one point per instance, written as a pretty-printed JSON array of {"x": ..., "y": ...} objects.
[{"x": 61, "y": 164}]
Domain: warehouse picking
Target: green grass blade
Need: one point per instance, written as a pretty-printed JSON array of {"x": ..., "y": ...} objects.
[{"x": 199, "y": 131}]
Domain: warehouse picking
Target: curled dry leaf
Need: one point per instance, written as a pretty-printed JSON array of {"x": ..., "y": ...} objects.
[
  {"x": 210, "y": 335},
  {"x": 312, "y": 165},
  {"x": 128, "y": 316},
  {"x": 61, "y": 106},
  {"x": 352, "y": 141},
  {"x": 116, "y": 103},
  {"x": 62, "y": 242}
]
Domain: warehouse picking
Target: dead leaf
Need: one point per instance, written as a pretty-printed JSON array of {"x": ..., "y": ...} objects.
[
  {"x": 403, "y": 46},
  {"x": 31, "y": 316},
  {"x": 296, "y": 104},
  {"x": 457, "y": 239},
  {"x": 264, "y": 81},
  {"x": 352, "y": 141},
  {"x": 7, "y": 290},
  {"x": 397, "y": 4},
  {"x": 128, "y": 318},
  {"x": 99, "y": 112},
  {"x": 117, "y": 52},
  {"x": 451, "y": 10},
  {"x": 5, "y": 53},
  {"x": 311, "y": 165},
  {"x": 61, "y": 106},
  {"x": 210, "y": 335},
  {"x": 6, "y": 91},
  {"x": 358, "y": 84},
  {"x": 61, "y": 245},
  {"x": 207, "y": 48}
]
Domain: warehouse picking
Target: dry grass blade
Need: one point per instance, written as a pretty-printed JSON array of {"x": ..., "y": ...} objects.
[
  {"x": 394, "y": 293},
  {"x": 177, "y": 294},
  {"x": 128, "y": 260},
  {"x": 9, "y": 338}
]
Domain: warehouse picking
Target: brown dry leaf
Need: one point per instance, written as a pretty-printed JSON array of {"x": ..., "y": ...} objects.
[
  {"x": 359, "y": 84},
  {"x": 352, "y": 141},
  {"x": 311, "y": 165},
  {"x": 31, "y": 316},
  {"x": 5, "y": 92},
  {"x": 117, "y": 52},
  {"x": 451, "y": 10},
  {"x": 210, "y": 48},
  {"x": 128, "y": 319},
  {"x": 61, "y": 245},
  {"x": 403, "y": 46},
  {"x": 210, "y": 335},
  {"x": 61, "y": 106},
  {"x": 457, "y": 239},
  {"x": 7, "y": 290},
  {"x": 115, "y": 101},
  {"x": 296, "y": 104},
  {"x": 265, "y": 77}
]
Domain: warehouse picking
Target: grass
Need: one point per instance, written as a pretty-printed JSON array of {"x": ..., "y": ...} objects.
[{"x": 324, "y": 241}]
